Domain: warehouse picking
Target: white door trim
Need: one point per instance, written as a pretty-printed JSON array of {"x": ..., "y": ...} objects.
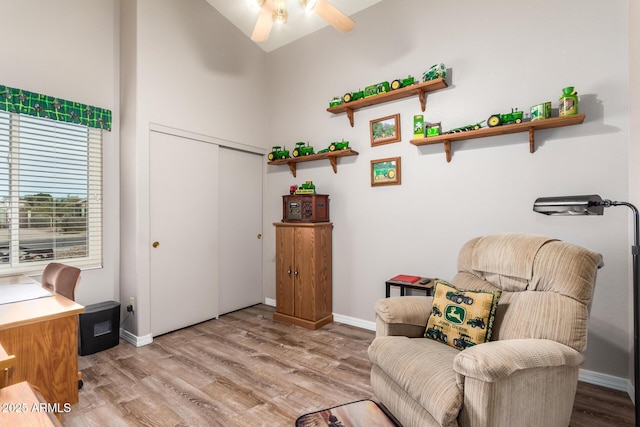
[{"x": 155, "y": 127}]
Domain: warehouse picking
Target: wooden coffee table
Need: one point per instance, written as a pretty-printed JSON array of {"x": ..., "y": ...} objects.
[{"x": 363, "y": 413}]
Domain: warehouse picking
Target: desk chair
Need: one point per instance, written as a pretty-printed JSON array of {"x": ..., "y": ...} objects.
[{"x": 61, "y": 279}]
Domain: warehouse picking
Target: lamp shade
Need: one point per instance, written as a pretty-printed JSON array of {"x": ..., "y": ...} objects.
[{"x": 570, "y": 205}]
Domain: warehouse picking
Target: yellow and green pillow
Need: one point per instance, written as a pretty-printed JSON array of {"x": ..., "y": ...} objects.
[{"x": 461, "y": 318}]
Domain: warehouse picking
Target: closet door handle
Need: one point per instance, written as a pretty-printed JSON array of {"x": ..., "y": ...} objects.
[{"x": 155, "y": 244}]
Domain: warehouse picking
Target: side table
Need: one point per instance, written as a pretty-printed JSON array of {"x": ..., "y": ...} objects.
[{"x": 427, "y": 287}]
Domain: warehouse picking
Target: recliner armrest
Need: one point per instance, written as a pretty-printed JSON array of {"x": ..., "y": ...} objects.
[
  {"x": 405, "y": 316},
  {"x": 497, "y": 360}
]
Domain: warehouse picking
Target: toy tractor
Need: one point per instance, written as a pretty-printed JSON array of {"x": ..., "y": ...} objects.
[
  {"x": 353, "y": 96},
  {"x": 342, "y": 145},
  {"x": 301, "y": 150},
  {"x": 306, "y": 188},
  {"x": 514, "y": 116},
  {"x": 397, "y": 84},
  {"x": 278, "y": 153}
]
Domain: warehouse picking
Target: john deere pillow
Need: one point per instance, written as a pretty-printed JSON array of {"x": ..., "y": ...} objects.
[{"x": 461, "y": 318}]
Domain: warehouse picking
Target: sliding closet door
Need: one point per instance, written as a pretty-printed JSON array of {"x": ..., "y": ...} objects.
[
  {"x": 240, "y": 229},
  {"x": 183, "y": 231}
]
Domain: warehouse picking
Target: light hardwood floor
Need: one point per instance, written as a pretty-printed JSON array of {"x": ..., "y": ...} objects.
[{"x": 244, "y": 369}]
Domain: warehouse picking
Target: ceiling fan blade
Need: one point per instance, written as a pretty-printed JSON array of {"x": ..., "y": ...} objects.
[
  {"x": 333, "y": 16},
  {"x": 264, "y": 23}
]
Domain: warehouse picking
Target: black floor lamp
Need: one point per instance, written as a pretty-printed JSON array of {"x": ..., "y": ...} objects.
[{"x": 594, "y": 205}]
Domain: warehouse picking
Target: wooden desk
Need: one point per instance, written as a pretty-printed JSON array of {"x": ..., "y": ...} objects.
[{"x": 42, "y": 334}]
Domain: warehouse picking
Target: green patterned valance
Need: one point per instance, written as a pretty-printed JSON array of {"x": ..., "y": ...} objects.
[{"x": 34, "y": 104}]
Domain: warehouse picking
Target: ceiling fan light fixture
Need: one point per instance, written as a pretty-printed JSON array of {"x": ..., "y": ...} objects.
[{"x": 280, "y": 15}]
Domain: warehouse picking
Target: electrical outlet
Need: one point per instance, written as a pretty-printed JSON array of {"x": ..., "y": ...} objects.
[{"x": 132, "y": 303}]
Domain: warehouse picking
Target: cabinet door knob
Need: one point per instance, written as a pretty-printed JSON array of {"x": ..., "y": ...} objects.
[
  {"x": 296, "y": 273},
  {"x": 289, "y": 271},
  {"x": 155, "y": 244},
  {"x": 259, "y": 236}
]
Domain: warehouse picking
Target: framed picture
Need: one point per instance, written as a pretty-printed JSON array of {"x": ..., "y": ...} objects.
[
  {"x": 385, "y": 130},
  {"x": 385, "y": 171}
]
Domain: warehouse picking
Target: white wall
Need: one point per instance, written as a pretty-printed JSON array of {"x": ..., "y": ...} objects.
[
  {"x": 187, "y": 68},
  {"x": 500, "y": 55},
  {"x": 69, "y": 49}
]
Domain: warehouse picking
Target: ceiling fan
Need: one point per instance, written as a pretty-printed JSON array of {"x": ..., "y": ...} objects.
[{"x": 276, "y": 11}]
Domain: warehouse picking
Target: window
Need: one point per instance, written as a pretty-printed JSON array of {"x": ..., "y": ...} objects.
[{"x": 50, "y": 193}]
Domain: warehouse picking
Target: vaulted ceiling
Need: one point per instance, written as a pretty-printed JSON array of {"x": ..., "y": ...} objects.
[{"x": 299, "y": 23}]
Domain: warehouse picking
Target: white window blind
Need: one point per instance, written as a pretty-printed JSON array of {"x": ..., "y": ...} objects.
[{"x": 50, "y": 194}]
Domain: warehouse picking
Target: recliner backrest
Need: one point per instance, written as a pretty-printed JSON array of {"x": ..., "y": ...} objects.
[{"x": 547, "y": 285}]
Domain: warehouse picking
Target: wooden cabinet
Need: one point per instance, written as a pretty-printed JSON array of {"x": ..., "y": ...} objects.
[{"x": 303, "y": 274}]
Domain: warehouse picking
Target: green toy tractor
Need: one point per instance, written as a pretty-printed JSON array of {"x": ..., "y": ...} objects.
[
  {"x": 302, "y": 150},
  {"x": 278, "y": 153},
  {"x": 400, "y": 83},
  {"x": 306, "y": 188},
  {"x": 342, "y": 145},
  {"x": 514, "y": 116},
  {"x": 353, "y": 96}
]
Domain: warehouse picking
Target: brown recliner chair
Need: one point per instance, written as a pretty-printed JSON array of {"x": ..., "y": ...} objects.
[
  {"x": 61, "y": 279},
  {"x": 527, "y": 374}
]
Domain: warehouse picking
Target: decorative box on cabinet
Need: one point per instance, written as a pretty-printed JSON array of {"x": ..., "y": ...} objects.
[{"x": 303, "y": 274}]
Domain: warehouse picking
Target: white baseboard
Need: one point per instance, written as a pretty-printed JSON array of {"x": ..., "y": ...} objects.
[
  {"x": 135, "y": 340},
  {"x": 364, "y": 324},
  {"x": 605, "y": 380},
  {"x": 591, "y": 377}
]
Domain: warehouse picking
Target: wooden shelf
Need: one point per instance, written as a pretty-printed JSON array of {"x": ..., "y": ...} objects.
[
  {"x": 419, "y": 89},
  {"x": 530, "y": 127},
  {"x": 332, "y": 156}
]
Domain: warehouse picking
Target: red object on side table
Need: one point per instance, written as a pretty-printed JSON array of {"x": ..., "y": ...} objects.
[{"x": 412, "y": 282}]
